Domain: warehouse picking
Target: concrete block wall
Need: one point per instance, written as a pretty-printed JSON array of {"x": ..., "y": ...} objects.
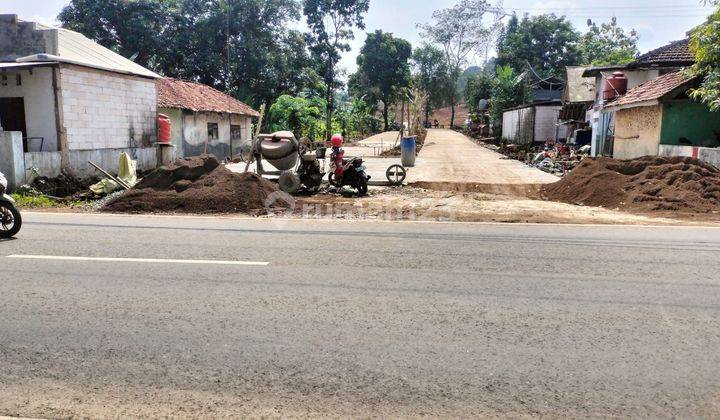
[
  {"x": 12, "y": 162},
  {"x": 48, "y": 163},
  {"x": 104, "y": 110}
]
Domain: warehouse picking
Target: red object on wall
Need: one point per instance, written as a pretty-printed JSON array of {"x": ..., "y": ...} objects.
[
  {"x": 615, "y": 85},
  {"x": 164, "y": 129}
]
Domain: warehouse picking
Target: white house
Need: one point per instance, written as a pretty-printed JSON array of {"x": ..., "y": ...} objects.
[
  {"x": 73, "y": 100},
  {"x": 204, "y": 120}
]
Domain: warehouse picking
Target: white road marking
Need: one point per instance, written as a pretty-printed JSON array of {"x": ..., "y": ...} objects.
[{"x": 137, "y": 260}]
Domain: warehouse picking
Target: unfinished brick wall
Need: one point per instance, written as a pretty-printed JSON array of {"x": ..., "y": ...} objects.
[{"x": 104, "y": 110}]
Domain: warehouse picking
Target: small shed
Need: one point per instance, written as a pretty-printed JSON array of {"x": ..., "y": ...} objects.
[
  {"x": 660, "y": 113},
  {"x": 204, "y": 120},
  {"x": 533, "y": 123}
]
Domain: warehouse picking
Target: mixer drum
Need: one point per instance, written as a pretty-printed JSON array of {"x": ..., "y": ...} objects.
[{"x": 281, "y": 150}]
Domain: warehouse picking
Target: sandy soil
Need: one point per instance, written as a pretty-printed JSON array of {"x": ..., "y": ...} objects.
[{"x": 410, "y": 203}]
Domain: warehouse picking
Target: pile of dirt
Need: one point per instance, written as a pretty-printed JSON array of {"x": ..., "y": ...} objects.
[
  {"x": 62, "y": 186},
  {"x": 196, "y": 185},
  {"x": 647, "y": 184}
]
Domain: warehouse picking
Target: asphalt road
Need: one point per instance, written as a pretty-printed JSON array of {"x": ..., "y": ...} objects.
[{"x": 357, "y": 319}]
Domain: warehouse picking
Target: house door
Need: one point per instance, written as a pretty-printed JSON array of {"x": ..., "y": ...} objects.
[{"x": 12, "y": 117}]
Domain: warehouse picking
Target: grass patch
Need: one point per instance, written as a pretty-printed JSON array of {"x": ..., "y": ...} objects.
[{"x": 34, "y": 202}]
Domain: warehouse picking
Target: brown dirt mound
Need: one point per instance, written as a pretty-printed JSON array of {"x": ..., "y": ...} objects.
[
  {"x": 196, "y": 185},
  {"x": 650, "y": 183}
]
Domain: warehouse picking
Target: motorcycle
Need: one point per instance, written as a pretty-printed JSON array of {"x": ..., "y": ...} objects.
[
  {"x": 10, "y": 219},
  {"x": 350, "y": 172}
]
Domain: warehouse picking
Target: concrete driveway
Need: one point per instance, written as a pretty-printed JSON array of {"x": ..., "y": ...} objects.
[{"x": 450, "y": 157}]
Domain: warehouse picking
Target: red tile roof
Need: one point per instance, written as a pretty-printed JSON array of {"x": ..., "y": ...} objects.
[
  {"x": 653, "y": 90},
  {"x": 676, "y": 53},
  {"x": 173, "y": 93}
]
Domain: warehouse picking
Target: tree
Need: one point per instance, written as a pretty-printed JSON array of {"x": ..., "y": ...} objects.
[
  {"x": 508, "y": 90},
  {"x": 546, "y": 42},
  {"x": 705, "y": 44},
  {"x": 302, "y": 116},
  {"x": 478, "y": 87},
  {"x": 608, "y": 44},
  {"x": 131, "y": 28},
  {"x": 432, "y": 76},
  {"x": 383, "y": 70},
  {"x": 331, "y": 23},
  {"x": 460, "y": 31},
  {"x": 242, "y": 47}
]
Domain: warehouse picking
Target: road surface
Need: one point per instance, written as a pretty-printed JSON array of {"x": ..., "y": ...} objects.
[
  {"x": 316, "y": 318},
  {"x": 451, "y": 157}
]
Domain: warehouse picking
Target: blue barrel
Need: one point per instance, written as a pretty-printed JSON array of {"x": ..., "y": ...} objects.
[{"x": 408, "y": 151}]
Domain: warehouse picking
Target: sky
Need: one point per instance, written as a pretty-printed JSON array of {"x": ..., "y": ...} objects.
[{"x": 657, "y": 21}]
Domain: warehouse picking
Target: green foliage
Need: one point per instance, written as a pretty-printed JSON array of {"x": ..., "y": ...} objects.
[
  {"x": 331, "y": 23},
  {"x": 383, "y": 70},
  {"x": 432, "y": 76},
  {"x": 302, "y": 116},
  {"x": 355, "y": 119},
  {"x": 479, "y": 86},
  {"x": 32, "y": 201},
  {"x": 238, "y": 46},
  {"x": 547, "y": 42},
  {"x": 608, "y": 44},
  {"x": 459, "y": 30},
  {"x": 705, "y": 44},
  {"x": 508, "y": 90}
]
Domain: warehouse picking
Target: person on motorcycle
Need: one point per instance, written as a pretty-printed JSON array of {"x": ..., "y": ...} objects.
[{"x": 337, "y": 156}]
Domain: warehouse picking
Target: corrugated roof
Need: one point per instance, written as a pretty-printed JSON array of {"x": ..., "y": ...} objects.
[
  {"x": 676, "y": 53},
  {"x": 649, "y": 93},
  {"x": 579, "y": 88},
  {"x": 71, "y": 47},
  {"x": 180, "y": 94}
]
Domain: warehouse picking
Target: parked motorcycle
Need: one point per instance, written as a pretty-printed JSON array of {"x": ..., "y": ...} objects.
[
  {"x": 10, "y": 219},
  {"x": 350, "y": 172}
]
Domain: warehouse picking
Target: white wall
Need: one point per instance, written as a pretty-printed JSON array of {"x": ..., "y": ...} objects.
[
  {"x": 195, "y": 132},
  {"x": 546, "y": 119},
  {"x": 39, "y": 98},
  {"x": 104, "y": 110}
]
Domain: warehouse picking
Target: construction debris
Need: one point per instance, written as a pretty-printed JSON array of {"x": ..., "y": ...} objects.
[
  {"x": 647, "y": 184},
  {"x": 196, "y": 185}
]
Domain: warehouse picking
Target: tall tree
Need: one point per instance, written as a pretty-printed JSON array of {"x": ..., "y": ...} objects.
[
  {"x": 131, "y": 28},
  {"x": 431, "y": 75},
  {"x": 383, "y": 70},
  {"x": 705, "y": 44},
  {"x": 331, "y": 23},
  {"x": 608, "y": 44},
  {"x": 460, "y": 31},
  {"x": 242, "y": 47},
  {"x": 547, "y": 42}
]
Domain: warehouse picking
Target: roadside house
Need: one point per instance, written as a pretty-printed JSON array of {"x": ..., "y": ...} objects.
[
  {"x": 658, "y": 118},
  {"x": 204, "y": 120},
  {"x": 666, "y": 59},
  {"x": 578, "y": 98},
  {"x": 73, "y": 101}
]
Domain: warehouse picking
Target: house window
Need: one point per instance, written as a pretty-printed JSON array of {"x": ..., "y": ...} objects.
[
  {"x": 236, "y": 132},
  {"x": 18, "y": 80},
  {"x": 3, "y": 80},
  {"x": 213, "y": 132}
]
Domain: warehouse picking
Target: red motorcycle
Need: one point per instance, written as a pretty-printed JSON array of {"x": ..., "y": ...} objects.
[{"x": 350, "y": 172}]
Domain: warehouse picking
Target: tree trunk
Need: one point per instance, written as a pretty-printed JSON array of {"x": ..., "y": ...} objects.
[
  {"x": 328, "y": 117},
  {"x": 385, "y": 116},
  {"x": 452, "y": 111},
  {"x": 427, "y": 114}
]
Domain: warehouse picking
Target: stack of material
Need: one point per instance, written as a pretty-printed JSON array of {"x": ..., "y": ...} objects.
[
  {"x": 647, "y": 184},
  {"x": 196, "y": 185}
]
